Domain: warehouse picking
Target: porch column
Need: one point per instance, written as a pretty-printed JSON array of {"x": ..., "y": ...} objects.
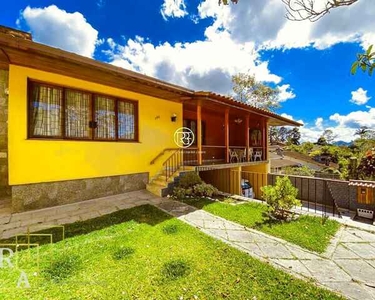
[
  {"x": 226, "y": 134},
  {"x": 247, "y": 137},
  {"x": 267, "y": 139},
  {"x": 264, "y": 139},
  {"x": 199, "y": 133}
]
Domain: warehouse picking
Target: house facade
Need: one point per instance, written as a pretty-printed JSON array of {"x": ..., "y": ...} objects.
[{"x": 73, "y": 129}]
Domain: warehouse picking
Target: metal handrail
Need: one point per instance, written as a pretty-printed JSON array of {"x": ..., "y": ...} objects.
[
  {"x": 174, "y": 163},
  {"x": 161, "y": 154}
]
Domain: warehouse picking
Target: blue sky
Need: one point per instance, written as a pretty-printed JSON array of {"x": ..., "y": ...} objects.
[{"x": 201, "y": 45}]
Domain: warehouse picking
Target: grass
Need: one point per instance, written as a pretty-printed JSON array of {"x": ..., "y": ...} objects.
[
  {"x": 312, "y": 233},
  {"x": 147, "y": 254}
]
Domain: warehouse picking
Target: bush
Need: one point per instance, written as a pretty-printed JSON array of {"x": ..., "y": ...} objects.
[
  {"x": 182, "y": 193},
  {"x": 189, "y": 180},
  {"x": 205, "y": 190},
  {"x": 281, "y": 197}
]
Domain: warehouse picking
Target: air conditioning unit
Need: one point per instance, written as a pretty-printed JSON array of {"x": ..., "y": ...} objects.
[{"x": 365, "y": 213}]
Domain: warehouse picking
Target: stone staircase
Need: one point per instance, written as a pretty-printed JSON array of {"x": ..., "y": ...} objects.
[{"x": 161, "y": 186}]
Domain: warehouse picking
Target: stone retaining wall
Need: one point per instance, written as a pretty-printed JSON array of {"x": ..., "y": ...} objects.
[
  {"x": 4, "y": 187},
  {"x": 35, "y": 196}
]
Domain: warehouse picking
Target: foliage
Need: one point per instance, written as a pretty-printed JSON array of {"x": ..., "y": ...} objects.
[
  {"x": 170, "y": 229},
  {"x": 281, "y": 197},
  {"x": 294, "y": 136},
  {"x": 122, "y": 253},
  {"x": 182, "y": 193},
  {"x": 304, "y": 148},
  {"x": 189, "y": 179},
  {"x": 326, "y": 138},
  {"x": 191, "y": 185},
  {"x": 282, "y": 135},
  {"x": 175, "y": 269},
  {"x": 308, "y": 232},
  {"x": 205, "y": 190},
  {"x": 62, "y": 268},
  {"x": 247, "y": 89},
  {"x": 366, "y": 168},
  {"x": 365, "y": 61},
  {"x": 321, "y": 141},
  {"x": 299, "y": 171}
]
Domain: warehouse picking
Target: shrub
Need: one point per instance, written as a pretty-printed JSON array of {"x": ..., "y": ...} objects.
[
  {"x": 175, "y": 269},
  {"x": 123, "y": 253},
  {"x": 205, "y": 190},
  {"x": 189, "y": 180},
  {"x": 182, "y": 193},
  {"x": 281, "y": 197},
  {"x": 62, "y": 268}
]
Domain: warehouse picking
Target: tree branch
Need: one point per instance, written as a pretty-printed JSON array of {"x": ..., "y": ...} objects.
[{"x": 300, "y": 10}]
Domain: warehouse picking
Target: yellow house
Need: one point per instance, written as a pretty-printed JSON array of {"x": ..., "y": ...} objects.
[{"x": 72, "y": 129}]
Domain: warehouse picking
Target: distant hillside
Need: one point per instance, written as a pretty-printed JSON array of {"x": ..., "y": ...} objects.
[{"x": 342, "y": 143}]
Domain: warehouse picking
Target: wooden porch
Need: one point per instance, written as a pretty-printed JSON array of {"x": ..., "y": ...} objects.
[{"x": 224, "y": 135}]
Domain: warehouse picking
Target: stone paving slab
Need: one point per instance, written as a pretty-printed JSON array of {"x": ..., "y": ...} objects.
[
  {"x": 12, "y": 224},
  {"x": 348, "y": 266}
]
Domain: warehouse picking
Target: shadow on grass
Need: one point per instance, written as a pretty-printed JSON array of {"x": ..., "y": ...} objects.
[
  {"x": 146, "y": 214},
  {"x": 198, "y": 203}
]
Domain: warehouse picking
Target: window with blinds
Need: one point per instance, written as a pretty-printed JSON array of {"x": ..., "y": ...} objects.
[
  {"x": 64, "y": 113},
  {"x": 78, "y": 113},
  {"x": 46, "y": 110}
]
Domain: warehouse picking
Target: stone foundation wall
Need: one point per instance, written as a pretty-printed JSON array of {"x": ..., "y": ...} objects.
[
  {"x": 4, "y": 187},
  {"x": 41, "y": 195}
]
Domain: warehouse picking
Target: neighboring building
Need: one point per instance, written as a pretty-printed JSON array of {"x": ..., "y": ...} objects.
[{"x": 72, "y": 128}]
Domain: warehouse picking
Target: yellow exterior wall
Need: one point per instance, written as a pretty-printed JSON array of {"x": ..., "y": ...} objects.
[
  {"x": 259, "y": 168},
  {"x": 35, "y": 161}
]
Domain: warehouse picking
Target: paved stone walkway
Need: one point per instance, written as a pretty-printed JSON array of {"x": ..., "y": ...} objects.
[
  {"x": 347, "y": 267},
  {"x": 12, "y": 224}
]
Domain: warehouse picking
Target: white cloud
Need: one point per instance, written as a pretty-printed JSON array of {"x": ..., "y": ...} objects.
[
  {"x": 174, "y": 9},
  {"x": 356, "y": 119},
  {"x": 319, "y": 123},
  {"x": 285, "y": 93},
  {"x": 201, "y": 65},
  {"x": 58, "y": 28},
  {"x": 264, "y": 23},
  {"x": 344, "y": 126},
  {"x": 360, "y": 97}
]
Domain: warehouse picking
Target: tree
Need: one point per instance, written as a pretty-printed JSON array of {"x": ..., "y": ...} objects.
[
  {"x": 329, "y": 136},
  {"x": 282, "y": 134},
  {"x": 273, "y": 134},
  {"x": 366, "y": 168},
  {"x": 322, "y": 141},
  {"x": 281, "y": 197},
  {"x": 294, "y": 136},
  {"x": 248, "y": 90}
]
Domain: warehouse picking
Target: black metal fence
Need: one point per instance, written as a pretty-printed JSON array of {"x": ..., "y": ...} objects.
[{"x": 315, "y": 193}]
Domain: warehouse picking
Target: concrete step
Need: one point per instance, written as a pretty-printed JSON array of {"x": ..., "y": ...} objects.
[{"x": 157, "y": 190}]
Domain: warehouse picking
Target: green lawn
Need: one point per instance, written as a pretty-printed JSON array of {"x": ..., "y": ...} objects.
[
  {"x": 308, "y": 232},
  {"x": 148, "y": 255}
]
